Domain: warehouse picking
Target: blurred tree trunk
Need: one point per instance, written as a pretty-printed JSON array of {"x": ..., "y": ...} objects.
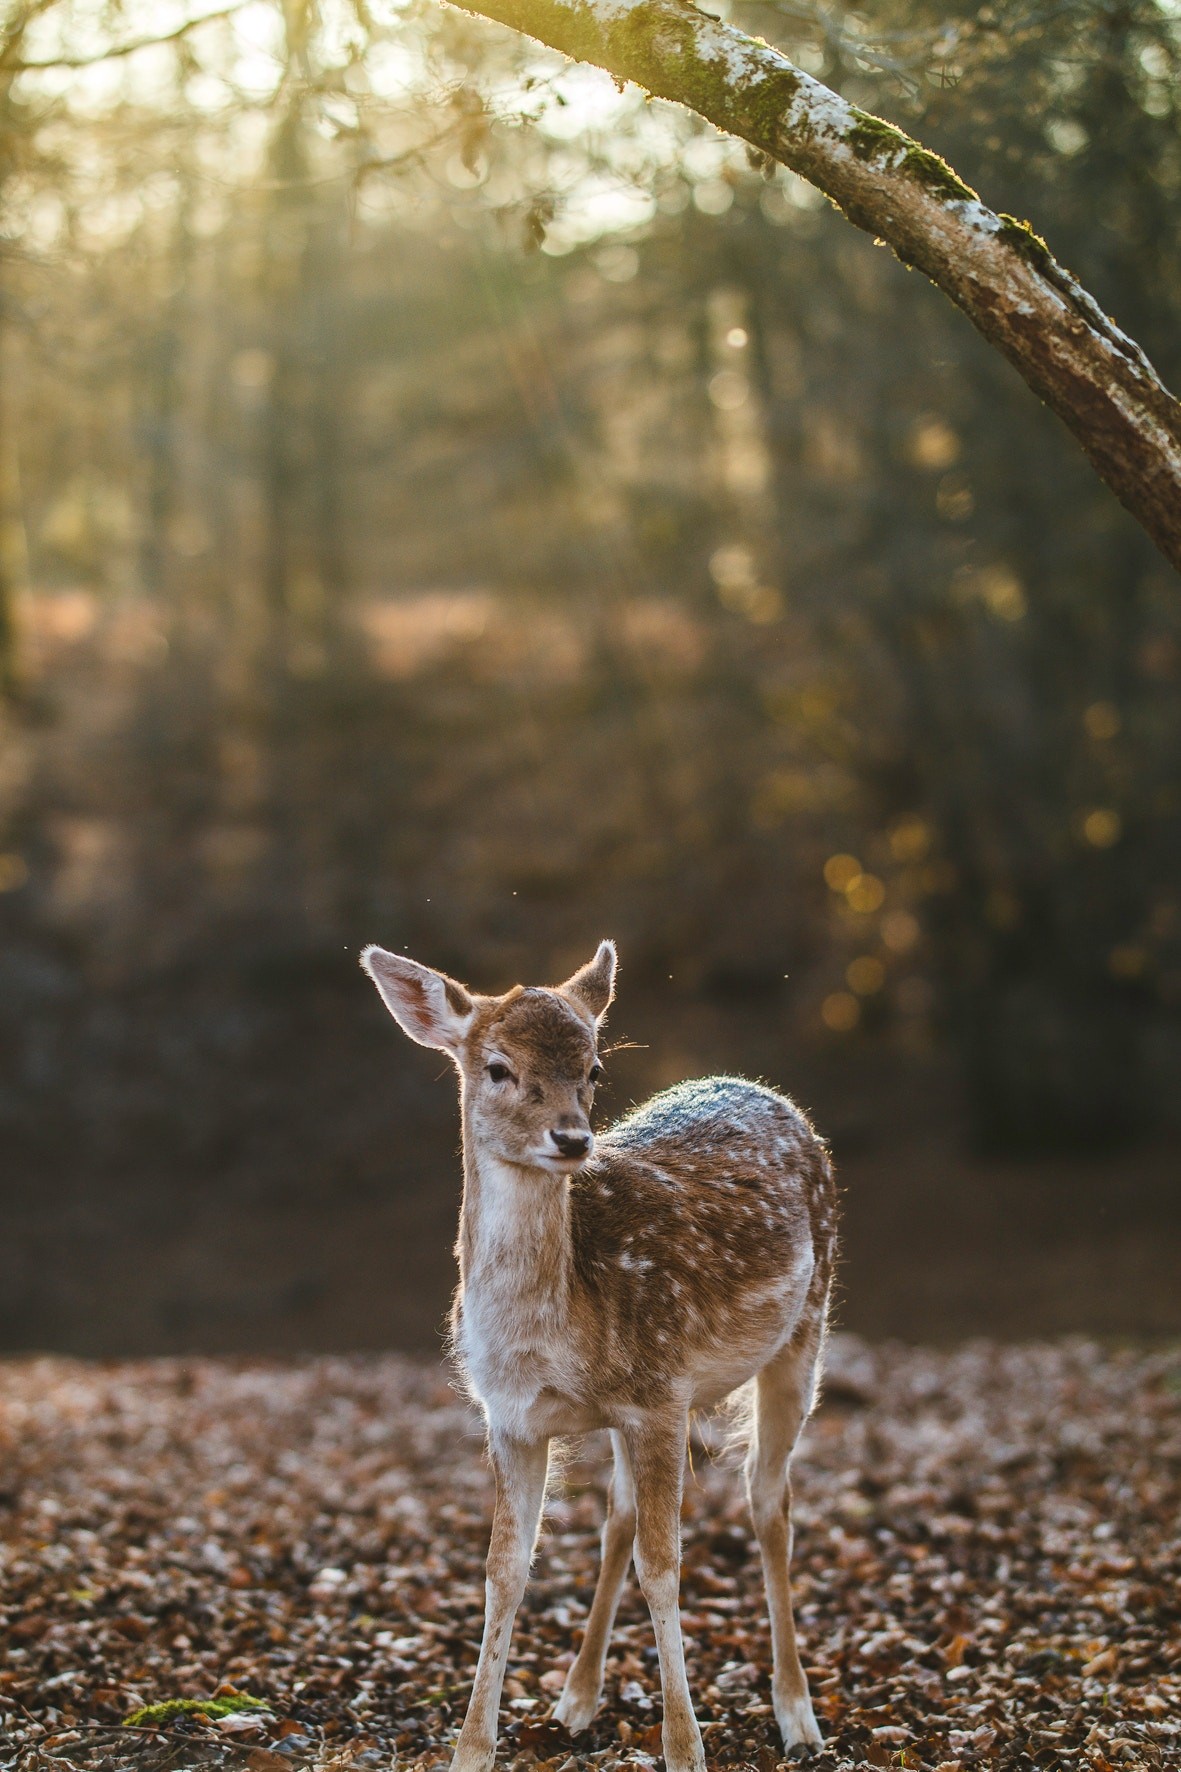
[
  {"x": 993, "y": 267},
  {"x": 325, "y": 253},
  {"x": 304, "y": 567},
  {"x": 165, "y": 357},
  {"x": 303, "y": 546},
  {"x": 13, "y": 557},
  {"x": 14, "y": 561},
  {"x": 285, "y": 247}
]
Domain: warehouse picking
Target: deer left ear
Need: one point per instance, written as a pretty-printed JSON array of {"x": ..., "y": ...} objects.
[
  {"x": 433, "y": 1009},
  {"x": 593, "y": 986}
]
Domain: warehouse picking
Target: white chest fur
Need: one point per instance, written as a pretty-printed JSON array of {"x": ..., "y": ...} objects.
[{"x": 513, "y": 1333}]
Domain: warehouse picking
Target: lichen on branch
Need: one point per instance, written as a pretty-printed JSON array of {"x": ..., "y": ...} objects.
[
  {"x": 1021, "y": 237},
  {"x": 872, "y": 138}
]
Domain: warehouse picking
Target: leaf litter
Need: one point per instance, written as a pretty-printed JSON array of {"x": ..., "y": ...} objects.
[{"x": 274, "y": 1566}]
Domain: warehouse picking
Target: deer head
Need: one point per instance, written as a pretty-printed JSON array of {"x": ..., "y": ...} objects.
[{"x": 528, "y": 1061}]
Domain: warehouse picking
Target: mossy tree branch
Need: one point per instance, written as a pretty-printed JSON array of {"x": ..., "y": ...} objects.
[{"x": 994, "y": 267}]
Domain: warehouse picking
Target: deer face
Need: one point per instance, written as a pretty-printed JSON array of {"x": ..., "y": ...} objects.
[
  {"x": 528, "y": 1060},
  {"x": 529, "y": 1080}
]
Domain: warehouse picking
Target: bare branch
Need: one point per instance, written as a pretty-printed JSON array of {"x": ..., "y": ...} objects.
[{"x": 118, "y": 50}]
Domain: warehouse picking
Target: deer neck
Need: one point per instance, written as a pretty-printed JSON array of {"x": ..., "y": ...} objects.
[{"x": 514, "y": 1243}]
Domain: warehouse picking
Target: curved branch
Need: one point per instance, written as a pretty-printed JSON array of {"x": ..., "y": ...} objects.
[
  {"x": 116, "y": 51},
  {"x": 995, "y": 268}
]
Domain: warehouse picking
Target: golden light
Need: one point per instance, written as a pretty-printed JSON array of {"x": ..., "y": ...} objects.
[
  {"x": 910, "y": 838},
  {"x": 840, "y": 871},
  {"x": 818, "y": 703},
  {"x": 1002, "y": 592},
  {"x": 758, "y": 603},
  {"x": 840, "y": 1012},
  {"x": 865, "y": 894},
  {"x": 1102, "y": 719},
  {"x": 733, "y": 564},
  {"x": 729, "y": 390},
  {"x": 779, "y": 794},
  {"x": 933, "y": 443},
  {"x": 900, "y": 931},
  {"x": 1103, "y": 827},
  {"x": 1127, "y": 961},
  {"x": 865, "y": 975}
]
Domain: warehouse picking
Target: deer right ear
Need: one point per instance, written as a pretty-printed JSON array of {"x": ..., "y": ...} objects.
[
  {"x": 432, "y": 1008},
  {"x": 593, "y": 985}
]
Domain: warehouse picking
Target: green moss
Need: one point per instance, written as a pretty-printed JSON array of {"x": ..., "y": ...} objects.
[
  {"x": 932, "y": 170},
  {"x": 667, "y": 43},
  {"x": 766, "y": 102},
  {"x": 1021, "y": 237},
  {"x": 182, "y": 1707},
  {"x": 872, "y": 138}
]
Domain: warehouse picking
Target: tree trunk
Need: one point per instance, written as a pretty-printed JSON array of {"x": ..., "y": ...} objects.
[
  {"x": 14, "y": 561},
  {"x": 994, "y": 267}
]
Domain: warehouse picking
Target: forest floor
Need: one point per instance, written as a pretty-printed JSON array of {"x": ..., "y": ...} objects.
[{"x": 988, "y": 1566}]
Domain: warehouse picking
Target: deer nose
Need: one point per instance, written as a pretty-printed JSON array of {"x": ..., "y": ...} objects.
[{"x": 571, "y": 1144}]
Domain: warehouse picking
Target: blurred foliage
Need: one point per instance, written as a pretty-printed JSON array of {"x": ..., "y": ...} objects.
[{"x": 450, "y": 501}]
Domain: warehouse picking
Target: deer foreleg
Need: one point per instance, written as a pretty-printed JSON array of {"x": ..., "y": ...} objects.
[{"x": 520, "y": 1471}]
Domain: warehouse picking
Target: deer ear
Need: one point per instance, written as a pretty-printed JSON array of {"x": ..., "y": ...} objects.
[
  {"x": 593, "y": 985},
  {"x": 432, "y": 1008}
]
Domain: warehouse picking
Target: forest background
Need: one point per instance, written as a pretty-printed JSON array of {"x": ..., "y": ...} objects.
[{"x": 448, "y": 500}]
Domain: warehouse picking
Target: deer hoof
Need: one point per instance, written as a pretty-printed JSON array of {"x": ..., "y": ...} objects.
[
  {"x": 575, "y": 1709},
  {"x": 797, "y": 1723}
]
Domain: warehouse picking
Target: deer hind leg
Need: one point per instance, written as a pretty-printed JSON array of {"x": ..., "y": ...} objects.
[
  {"x": 584, "y": 1683},
  {"x": 783, "y": 1398},
  {"x": 658, "y": 1467},
  {"x": 520, "y": 1471}
]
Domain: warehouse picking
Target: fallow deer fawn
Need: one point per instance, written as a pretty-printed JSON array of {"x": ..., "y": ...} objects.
[{"x": 621, "y": 1283}]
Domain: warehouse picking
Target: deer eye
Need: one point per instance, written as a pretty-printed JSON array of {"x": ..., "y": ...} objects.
[
  {"x": 595, "y": 1072},
  {"x": 499, "y": 1073}
]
